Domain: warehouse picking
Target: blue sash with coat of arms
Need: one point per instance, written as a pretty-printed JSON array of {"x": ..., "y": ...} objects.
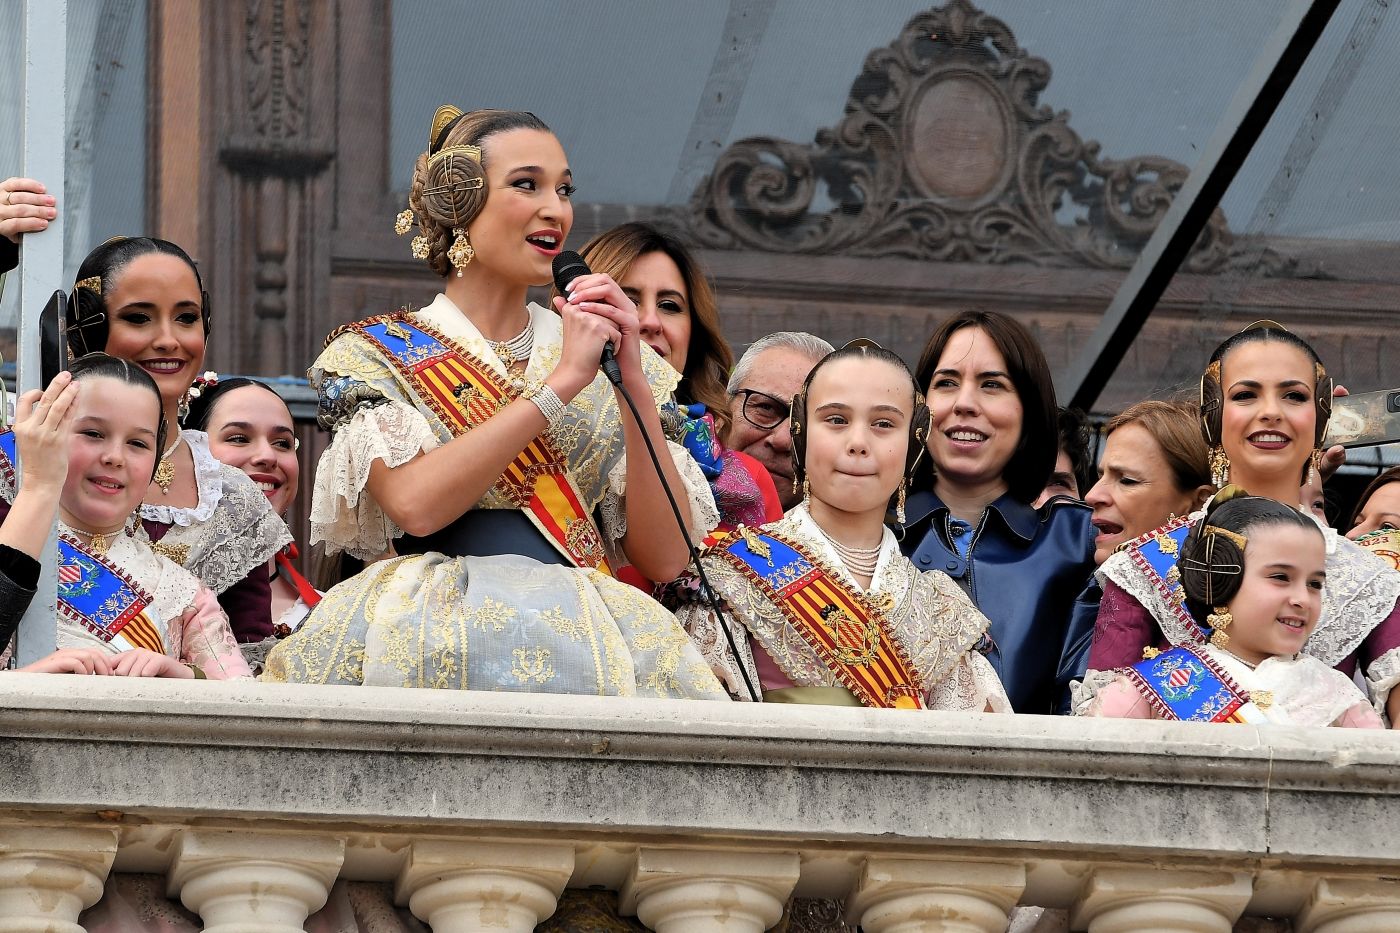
[
  {"x": 94, "y": 594},
  {"x": 1183, "y": 683},
  {"x": 8, "y": 455}
]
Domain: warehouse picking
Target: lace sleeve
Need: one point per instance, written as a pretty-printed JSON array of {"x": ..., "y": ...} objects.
[
  {"x": 704, "y": 516},
  {"x": 1083, "y": 694},
  {"x": 208, "y": 641},
  {"x": 241, "y": 535},
  {"x": 342, "y": 514},
  {"x": 971, "y": 686}
]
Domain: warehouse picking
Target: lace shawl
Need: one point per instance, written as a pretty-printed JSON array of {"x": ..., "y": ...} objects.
[
  {"x": 1361, "y": 590},
  {"x": 374, "y": 414},
  {"x": 934, "y": 621},
  {"x": 232, "y": 530}
]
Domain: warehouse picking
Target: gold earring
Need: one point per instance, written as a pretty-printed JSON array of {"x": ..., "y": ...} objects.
[
  {"x": 1219, "y": 621},
  {"x": 1315, "y": 466},
  {"x": 419, "y": 247},
  {"x": 806, "y": 489},
  {"x": 1219, "y": 467},
  {"x": 404, "y": 221},
  {"x": 899, "y": 503},
  {"x": 460, "y": 252}
]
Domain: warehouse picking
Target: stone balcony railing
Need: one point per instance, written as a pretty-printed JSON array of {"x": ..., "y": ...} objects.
[{"x": 481, "y": 808}]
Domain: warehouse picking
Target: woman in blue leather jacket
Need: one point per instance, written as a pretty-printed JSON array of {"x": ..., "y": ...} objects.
[{"x": 992, "y": 446}]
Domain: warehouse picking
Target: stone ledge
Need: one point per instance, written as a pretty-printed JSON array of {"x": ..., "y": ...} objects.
[{"x": 381, "y": 759}]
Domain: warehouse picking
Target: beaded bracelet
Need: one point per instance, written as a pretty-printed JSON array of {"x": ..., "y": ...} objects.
[{"x": 547, "y": 401}]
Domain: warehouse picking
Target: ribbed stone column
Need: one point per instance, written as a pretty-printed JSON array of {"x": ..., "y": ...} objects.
[
  {"x": 461, "y": 887},
  {"x": 241, "y": 882},
  {"x": 709, "y": 891},
  {"x": 1130, "y": 900},
  {"x": 49, "y": 875},
  {"x": 1345, "y": 905},
  {"x": 898, "y": 895}
]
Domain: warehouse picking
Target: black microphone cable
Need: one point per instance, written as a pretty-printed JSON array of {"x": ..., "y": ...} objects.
[{"x": 568, "y": 266}]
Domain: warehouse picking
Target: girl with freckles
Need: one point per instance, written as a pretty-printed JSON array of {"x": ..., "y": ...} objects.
[
  {"x": 1264, "y": 405},
  {"x": 123, "y": 608},
  {"x": 824, "y": 607}
]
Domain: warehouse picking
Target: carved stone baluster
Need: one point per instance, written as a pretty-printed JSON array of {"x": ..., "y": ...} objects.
[
  {"x": 1129, "y": 900},
  {"x": 1351, "y": 905},
  {"x": 239, "y": 882},
  {"x": 49, "y": 875},
  {"x": 459, "y": 887},
  {"x": 934, "y": 896},
  {"x": 706, "y": 891}
]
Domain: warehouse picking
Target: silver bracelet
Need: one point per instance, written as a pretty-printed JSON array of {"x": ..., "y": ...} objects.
[{"x": 547, "y": 401}]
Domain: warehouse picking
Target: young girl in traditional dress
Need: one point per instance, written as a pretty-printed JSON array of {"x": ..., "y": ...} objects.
[
  {"x": 479, "y": 438},
  {"x": 1252, "y": 571},
  {"x": 141, "y": 299},
  {"x": 140, "y": 613},
  {"x": 824, "y": 607}
]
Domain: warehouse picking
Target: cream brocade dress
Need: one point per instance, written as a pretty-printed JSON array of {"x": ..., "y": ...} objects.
[
  {"x": 932, "y": 618},
  {"x": 507, "y": 623}
]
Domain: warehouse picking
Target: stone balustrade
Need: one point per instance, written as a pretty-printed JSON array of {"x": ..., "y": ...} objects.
[{"x": 480, "y": 809}]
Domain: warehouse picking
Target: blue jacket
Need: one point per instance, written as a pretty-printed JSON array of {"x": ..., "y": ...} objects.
[{"x": 1024, "y": 569}]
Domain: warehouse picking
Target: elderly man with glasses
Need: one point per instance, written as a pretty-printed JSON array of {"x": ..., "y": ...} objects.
[{"x": 761, "y": 388}]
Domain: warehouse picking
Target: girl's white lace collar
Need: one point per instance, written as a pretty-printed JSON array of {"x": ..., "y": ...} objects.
[
  {"x": 800, "y": 521},
  {"x": 207, "y": 478}
]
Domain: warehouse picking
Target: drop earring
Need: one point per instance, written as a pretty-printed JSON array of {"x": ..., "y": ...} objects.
[
  {"x": 460, "y": 253},
  {"x": 1219, "y": 467},
  {"x": 899, "y": 503},
  {"x": 1219, "y": 621}
]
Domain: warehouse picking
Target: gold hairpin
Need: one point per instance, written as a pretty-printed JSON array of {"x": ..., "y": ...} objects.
[
  {"x": 92, "y": 283},
  {"x": 1239, "y": 539}
]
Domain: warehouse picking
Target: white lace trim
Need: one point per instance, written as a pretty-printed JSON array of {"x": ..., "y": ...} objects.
[
  {"x": 704, "y": 514},
  {"x": 1382, "y": 677},
  {"x": 208, "y": 480},
  {"x": 343, "y": 515},
  {"x": 1083, "y": 692}
]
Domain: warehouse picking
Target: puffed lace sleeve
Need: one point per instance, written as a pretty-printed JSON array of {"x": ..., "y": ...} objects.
[
  {"x": 208, "y": 641},
  {"x": 971, "y": 686},
  {"x": 343, "y": 514},
  {"x": 704, "y": 515}
]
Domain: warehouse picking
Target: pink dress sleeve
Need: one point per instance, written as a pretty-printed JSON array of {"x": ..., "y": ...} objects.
[
  {"x": 208, "y": 641},
  {"x": 1120, "y": 700},
  {"x": 1360, "y": 716},
  {"x": 1124, "y": 627}
]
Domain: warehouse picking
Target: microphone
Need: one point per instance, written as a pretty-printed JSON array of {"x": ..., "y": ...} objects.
[{"x": 568, "y": 266}]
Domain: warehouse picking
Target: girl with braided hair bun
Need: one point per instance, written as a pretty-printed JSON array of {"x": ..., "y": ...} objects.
[
  {"x": 1252, "y": 571},
  {"x": 477, "y": 436}
]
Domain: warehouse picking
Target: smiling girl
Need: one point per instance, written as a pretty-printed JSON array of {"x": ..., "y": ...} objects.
[
  {"x": 1252, "y": 571},
  {"x": 116, "y": 595},
  {"x": 1265, "y": 401},
  {"x": 827, "y": 609},
  {"x": 141, "y": 299}
]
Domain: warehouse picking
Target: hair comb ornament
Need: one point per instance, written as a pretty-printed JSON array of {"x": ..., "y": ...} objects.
[
  {"x": 206, "y": 380},
  {"x": 92, "y": 283},
  {"x": 444, "y": 118},
  {"x": 404, "y": 221}
]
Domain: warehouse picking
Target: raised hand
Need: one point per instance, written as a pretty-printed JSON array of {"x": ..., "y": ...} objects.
[
  {"x": 24, "y": 208},
  {"x": 41, "y": 428},
  {"x": 599, "y": 295}
]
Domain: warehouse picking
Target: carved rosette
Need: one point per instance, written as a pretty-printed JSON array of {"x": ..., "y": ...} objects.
[{"x": 946, "y": 153}]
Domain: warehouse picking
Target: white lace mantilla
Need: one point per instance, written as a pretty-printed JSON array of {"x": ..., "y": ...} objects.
[
  {"x": 1360, "y": 592},
  {"x": 239, "y": 531}
]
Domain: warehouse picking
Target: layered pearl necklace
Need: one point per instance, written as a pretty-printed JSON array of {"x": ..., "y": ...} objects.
[
  {"x": 516, "y": 349},
  {"x": 860, "y": 561}
]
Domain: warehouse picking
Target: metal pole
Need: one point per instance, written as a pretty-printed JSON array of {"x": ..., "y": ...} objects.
[
  {"x": 41, "y": 260},
  {"x": 1269, "y": 78}
]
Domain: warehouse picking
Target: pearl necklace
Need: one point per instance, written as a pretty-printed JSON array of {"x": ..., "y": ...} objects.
[
  {"x": 860, "y": 561},
  {"x": 98, "y": 541},
  {"x": 517, "y": 348}
]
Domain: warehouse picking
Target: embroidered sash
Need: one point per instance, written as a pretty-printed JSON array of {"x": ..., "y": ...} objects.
[
  {"x": 848, "y": 633},
  {"x": 95, "y": 594},
  {"x": 463, "y": 392},
  {"x": 1184, "y": 683},
  {"x": 1154, "y": 555},
  {"x": 8, "y": 456}
]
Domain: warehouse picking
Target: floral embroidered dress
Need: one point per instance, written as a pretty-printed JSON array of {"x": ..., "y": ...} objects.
[
  {"x": 225, "y": 540},
  {"x": 911, "y": 641},
  {"x": 399, "y": 385},
  {"x": 1142, "y": 607}
]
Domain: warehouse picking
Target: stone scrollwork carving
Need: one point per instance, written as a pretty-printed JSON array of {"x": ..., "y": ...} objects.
[{"x": 946, "y": 153}]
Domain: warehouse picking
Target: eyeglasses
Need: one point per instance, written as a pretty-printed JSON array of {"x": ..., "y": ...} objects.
[{"x": 762, "y": 410}]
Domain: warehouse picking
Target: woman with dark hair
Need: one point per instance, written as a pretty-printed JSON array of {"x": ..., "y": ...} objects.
[
  {"x": 992, "y": 447},
  {"x": 679, "y": 319},
  {"x": 1265, "y": 402},
  {"x": 1378, "y": 509},
  {"x": 1252, "y": 572},
  {"x": 250, "y": 428},
  {"x": 478, "y": 436},
  {"x": 123, "y": 608},
  {"x": 828, "y": 610},
  {"x": 141, "y": 299}
]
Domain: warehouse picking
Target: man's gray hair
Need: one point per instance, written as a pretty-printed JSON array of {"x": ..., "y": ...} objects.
[{"x": 809, "y": 345}]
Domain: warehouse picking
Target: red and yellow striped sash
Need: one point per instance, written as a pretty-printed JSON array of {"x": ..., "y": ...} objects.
[
  {"x": 847, "y": 631},
  {"x": 463, "y": 392}
]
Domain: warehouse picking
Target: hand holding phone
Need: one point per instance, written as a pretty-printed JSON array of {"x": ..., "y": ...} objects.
[{"x": 1364, "y": 420}]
